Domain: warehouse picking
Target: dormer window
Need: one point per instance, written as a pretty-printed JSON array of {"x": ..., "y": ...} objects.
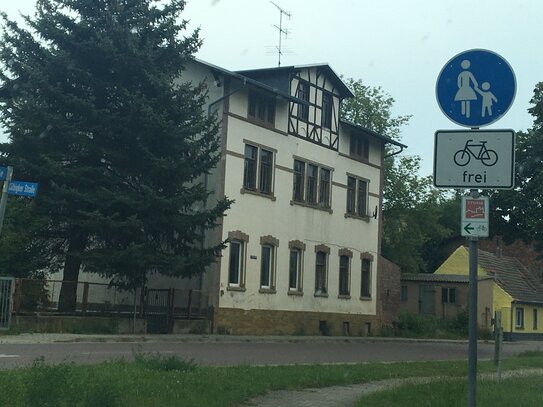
[
  {"x": 261, "y": 108},
  {"x": 359, "y": 147}
]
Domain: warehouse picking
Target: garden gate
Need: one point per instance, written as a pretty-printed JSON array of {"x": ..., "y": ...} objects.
[{"x": 7, "y": 285}]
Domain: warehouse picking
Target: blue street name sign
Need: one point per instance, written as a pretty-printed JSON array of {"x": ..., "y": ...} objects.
[
  {"x": 3, "y": 173},
  {"x": 476, "y": 88},
  {"x": 22, "y": 188}
]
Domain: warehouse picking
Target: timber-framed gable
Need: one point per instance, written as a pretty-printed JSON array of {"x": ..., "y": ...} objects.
[{"x": 315, "y": 117}]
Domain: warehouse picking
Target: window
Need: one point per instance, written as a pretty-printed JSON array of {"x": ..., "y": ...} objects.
[
  {"x": 303, "y": 94},
  {"x": 359, "y": 146},
  {"x": 344, "y": 275},
  {"x": 448, "y": 295},
  {"x": 235, "y": 264},
  {"x": 320, "y": 274},
  {"x": 519, "y": 320},
  {"x": 365, "y": 280},
  {"x": 267, "y": 263},
  {"x": 404, "y": 293},
  {"x": 296, "y": 248},
  {"x": 324, "y": 187},
  {"x": 249, "y": 171},
  {"x": 312, "y": 174},
  {"x": 312, "y": 184},
  {"x": 236, "y": 260},
  {"x": 265, "y": 176},
  {"x": 326, "y": 110},
  {"x": 357, "y": 197},
  {"x": 299, "y": 177},
  {"x": 266, "y": 266},
  {"x": 534, "y": 325},
  {"x": 261, "y": 108},
  {"x": 258, "y": 162}
]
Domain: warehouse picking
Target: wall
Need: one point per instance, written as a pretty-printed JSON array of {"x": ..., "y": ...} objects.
[
  {"x": 259, "y": 216},
  {"x": 267, "y": 322},
  {"x": 388, "y": 292}
]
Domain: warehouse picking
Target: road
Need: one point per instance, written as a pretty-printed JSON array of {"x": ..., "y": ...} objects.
[{"x": 252, "y": 351}]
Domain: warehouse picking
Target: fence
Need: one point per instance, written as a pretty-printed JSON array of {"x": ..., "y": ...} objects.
[{"x": 100, "y": 299}]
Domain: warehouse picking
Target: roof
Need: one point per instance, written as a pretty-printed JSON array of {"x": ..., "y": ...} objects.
[
  {"x": 440, "y": 278},
  {"x": 512, "y": 277},
  {"x": 246, "y": 79},
  {"x": 373, "y": 133},
  {"x": 269, "y": 74}
]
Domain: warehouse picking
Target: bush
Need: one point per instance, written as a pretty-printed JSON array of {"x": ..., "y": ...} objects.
[{"x": 163, "y": 363}]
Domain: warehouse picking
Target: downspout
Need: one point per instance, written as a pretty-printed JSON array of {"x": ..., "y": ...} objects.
[
  {"x": 511, "y": 322},
  {"x": 395, "y": 153}
]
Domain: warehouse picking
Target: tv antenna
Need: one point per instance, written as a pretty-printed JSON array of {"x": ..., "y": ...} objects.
[{"x": 282, "y": 31}]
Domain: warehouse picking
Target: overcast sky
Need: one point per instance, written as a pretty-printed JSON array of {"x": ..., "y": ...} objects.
[{"x": 400, "y": 45}]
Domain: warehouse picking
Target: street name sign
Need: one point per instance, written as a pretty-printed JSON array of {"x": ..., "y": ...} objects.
[
  {"x": 475, "y": 88},
  {"x": 474, "y": 220},
  {"x": 23, "y": 188},
  {"x": 474, "y": 159}
]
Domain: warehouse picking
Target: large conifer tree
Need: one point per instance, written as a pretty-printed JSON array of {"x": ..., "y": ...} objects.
[{"x": 97, "y": 112}]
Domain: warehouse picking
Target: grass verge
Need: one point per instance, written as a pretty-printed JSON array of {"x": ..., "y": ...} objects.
[{"x": 154, "y": 380}]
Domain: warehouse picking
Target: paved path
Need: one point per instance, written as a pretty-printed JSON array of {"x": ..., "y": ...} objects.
[{"x": 348, "y": 396}]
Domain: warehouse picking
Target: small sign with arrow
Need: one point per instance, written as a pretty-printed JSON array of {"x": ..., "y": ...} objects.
[{"x": 474, "y": 222}]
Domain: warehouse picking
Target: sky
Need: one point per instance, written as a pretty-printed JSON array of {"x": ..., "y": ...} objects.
[{"x": 399, "y": 45}]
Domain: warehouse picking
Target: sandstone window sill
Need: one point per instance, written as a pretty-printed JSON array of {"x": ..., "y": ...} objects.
[{"x": 233, "y": 288}]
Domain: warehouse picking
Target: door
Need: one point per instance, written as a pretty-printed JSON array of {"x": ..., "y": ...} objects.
[{"x": 427, "y": 300}]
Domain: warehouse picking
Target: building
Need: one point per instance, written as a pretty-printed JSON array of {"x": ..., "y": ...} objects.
[
  {"x": 505, "y": 285},
  {"x": 304, "y": 231}
]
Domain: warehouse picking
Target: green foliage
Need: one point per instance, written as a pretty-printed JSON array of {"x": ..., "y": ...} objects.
[
  {"x": 518, "y": 212},
  {"x": 413, "y": 216},
  {"x": 98, "y": 112},
  {"x": 163, "y": 363},
  {"x": 412, "y": 207},
  {"x": 411, "y": 325},
  {"x": 371, "y": 107},
  {"x": 120, "y": 383},
  {"x": 520, "y": 392}
]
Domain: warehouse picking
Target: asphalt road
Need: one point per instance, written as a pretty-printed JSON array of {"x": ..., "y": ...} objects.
[{"x": 252, "y": 352}]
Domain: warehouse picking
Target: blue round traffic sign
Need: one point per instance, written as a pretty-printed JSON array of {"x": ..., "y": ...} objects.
[{"x": 476, "y": 88}]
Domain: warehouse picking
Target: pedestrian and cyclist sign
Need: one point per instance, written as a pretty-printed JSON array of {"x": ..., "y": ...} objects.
[
  {"x": 475, "y": 88},
  {"x": 480, "y": 159}
]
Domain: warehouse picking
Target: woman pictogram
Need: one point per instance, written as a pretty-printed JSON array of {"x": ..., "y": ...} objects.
[{"x": 465, "y": 92}]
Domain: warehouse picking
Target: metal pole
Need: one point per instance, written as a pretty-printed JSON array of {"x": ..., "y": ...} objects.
[
  {"x": 472, "y": 348},
  {"x": 4, "y": 199}
]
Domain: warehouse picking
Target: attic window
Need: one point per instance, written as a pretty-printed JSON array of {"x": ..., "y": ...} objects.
[
  {"x": 359, "y": 146},
  {"x": 261, "y": 108}
]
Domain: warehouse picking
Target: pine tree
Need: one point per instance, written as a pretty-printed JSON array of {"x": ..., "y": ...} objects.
[{"x": 97, "y": 112}]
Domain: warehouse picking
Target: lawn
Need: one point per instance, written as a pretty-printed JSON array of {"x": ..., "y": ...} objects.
[{"x": 154, "y": 380}]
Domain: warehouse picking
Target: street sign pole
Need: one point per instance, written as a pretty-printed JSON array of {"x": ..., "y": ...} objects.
[
  {"x": 4, "y": 199},
  {"x": 472, "y": 347}
]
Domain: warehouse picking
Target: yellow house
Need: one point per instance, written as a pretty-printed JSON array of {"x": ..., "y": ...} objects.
[{"x": 515, "y": 291}]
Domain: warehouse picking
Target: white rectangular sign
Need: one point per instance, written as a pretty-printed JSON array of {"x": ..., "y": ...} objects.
[
  {"x": 480, "y": 159},
  {"x": 475, "y": 213}
]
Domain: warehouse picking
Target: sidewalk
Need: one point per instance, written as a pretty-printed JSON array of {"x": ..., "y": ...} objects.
[{"x": 32, "y": 338}]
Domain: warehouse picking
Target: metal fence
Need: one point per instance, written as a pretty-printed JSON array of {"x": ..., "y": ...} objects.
[
  {"x": 7, "y": 285},
  {"x": 42, "y": 296}
]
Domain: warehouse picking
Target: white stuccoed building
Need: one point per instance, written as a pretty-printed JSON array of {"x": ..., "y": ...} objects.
[{"x": 304, "y": 231}]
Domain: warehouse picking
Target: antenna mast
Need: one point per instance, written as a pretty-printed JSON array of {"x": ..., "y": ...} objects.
[{"x": 282, "y": 31}]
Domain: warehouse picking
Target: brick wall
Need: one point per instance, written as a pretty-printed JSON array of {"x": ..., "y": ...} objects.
[
  {"x": 266, "y": 322},
  {"x": 388, "y": 292}
]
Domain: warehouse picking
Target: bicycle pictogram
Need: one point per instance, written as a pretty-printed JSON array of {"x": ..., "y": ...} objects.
[{"x": 478, "y": 151}]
